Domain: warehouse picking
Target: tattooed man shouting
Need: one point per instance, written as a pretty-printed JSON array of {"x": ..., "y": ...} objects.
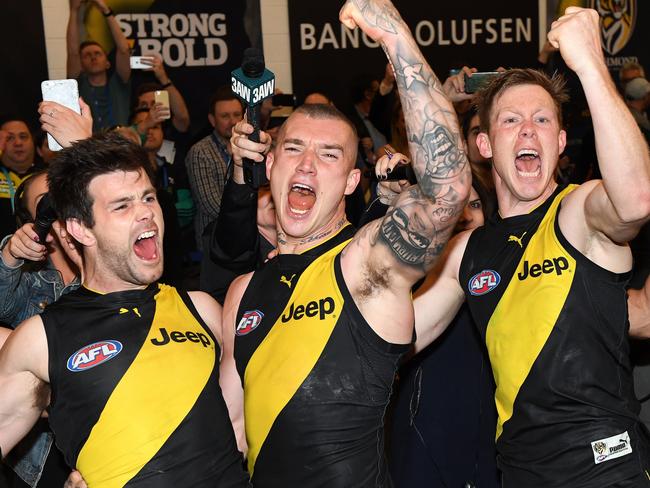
[{"x": 312, "y": 340}]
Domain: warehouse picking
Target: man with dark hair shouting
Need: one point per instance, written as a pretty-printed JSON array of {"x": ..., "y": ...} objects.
[{"x": 128, "y": 367}]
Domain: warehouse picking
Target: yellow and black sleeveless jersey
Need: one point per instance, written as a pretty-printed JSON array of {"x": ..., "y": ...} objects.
[
  {"x": 316, "y": 377},
  {"x": 556, "y": 329},
  {"x": 135, "y": 393}
]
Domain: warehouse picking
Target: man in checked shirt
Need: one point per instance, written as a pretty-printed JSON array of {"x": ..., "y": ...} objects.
[{"x": 206, "y": 164}]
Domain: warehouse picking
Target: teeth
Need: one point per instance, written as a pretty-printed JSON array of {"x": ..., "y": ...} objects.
[
  {"x": 526, "y": 174},
  {"x": 297, "y": 211},
  {"x": 146, "y": 235},
  {"x": 527, "y": 152},
  {"x": 303, "y": 187}
]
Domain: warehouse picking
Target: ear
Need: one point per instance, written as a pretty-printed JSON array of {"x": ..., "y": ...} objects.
[
  {"x": 270, "y": 159},
  {"x": 353, "y": 180},
  {"x": 108, "y": 65},
  {"x": 82, "y": 234},
  {"x": 212, "y": 120},
  {"x": 561, "y": 139},
  {"x": 484, "y": 146}
]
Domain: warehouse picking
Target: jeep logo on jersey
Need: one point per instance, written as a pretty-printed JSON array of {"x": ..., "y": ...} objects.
[
  {"x": 483, "y": 282},
  {"x": 178, "y": 336},
  {"x": 554, "y": 265},
  {"x": 322, "y": 307},
  {"x": 93, "y": 355},
  {"x": 249, "y": 322}
]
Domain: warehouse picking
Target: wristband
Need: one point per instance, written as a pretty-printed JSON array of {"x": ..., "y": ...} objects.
[
  {"x": 166, "y": 85},
  {"x": 109, "y": 13}
]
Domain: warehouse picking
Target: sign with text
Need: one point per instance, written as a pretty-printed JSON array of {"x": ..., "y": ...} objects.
[
  {"x": 200, "y": 42},
  {"x": 451, "y": 34}
]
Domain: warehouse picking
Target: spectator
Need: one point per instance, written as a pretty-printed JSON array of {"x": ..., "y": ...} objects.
[
  {"x": 32, "y": 276},
  {"x": 145, "y": 97},
  {"x": 17, "y": 160},
  {"x": 628, "y": 72},
  {"x": 206, "y": 164},
  {"x": 108, "y": 93}
]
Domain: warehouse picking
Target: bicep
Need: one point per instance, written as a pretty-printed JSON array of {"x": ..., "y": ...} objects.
[
  {"x": 638, "y": 307},
  {"x": 601, "y": 216},
  {"x": 23, "y": 391}
]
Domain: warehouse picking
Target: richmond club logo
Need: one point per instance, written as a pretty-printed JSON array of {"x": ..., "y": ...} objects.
[
  {"x": 93, "y": 355},
  {"x": 617, "y": 20},
  {"x": 249, "y": 322},
  {"x": 483, "y": 282}
]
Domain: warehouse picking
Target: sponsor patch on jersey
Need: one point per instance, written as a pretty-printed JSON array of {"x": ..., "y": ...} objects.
[
  {"x": 483, "y": 282},
  {"x": 249, "y": 322},
  {"x": 93, "y": 355},
  {"x": 613, "y": 447}
]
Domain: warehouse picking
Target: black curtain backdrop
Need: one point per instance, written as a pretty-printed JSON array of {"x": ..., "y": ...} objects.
[{"x": 24, "y": 61}]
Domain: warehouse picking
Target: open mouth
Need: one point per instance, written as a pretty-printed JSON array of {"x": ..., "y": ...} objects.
[
  {"x": 146, "y": 246},
  {"x": 301, "y": 198},
  {"x": 528, "y": 163}
]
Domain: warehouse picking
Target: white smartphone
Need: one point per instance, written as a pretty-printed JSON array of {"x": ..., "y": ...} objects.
[
  {"x": 65, "y": 92},
  {"x": 162, "y": 97},
  {"x": 137, "y": 62}
]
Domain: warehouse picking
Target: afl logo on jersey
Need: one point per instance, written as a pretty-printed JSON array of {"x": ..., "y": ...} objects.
[
  {"x": 249, "y": 322},
  {"x": 483, "y": 282},
  {"x": 93, "y": 355}
]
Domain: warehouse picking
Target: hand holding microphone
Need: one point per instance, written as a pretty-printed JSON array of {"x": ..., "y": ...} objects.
[{"x": 253, "y": 83}]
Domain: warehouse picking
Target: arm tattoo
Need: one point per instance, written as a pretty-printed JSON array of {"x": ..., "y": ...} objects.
[{"x": 381, "y": 17}]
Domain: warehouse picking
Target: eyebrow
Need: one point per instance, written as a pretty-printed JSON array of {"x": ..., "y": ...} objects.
[
  {"x": 300, "y": 142},
  {"x": 147, "y": 192}
]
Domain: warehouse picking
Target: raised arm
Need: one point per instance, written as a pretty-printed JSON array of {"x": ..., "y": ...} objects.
[
  {"x": 619, "y": 205},
  {"x": 73, "y": 60},
  {"x": 180, "y": 114},
  {"x": 24, "y": 392},
  {"x": 409, "y": 239},
  {"x": 122, "y": 50}
]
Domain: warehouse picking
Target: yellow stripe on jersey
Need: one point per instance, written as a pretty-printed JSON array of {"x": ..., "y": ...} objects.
[
  {"x": 290, "y": 350},
  {"x": 152, "y": 398},
  {"x": 528, "y": 310}
]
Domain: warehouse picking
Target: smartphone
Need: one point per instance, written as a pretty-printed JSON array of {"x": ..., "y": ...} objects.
[
  {"x": 137, "y": 62},
  {"x": 162, "y": 97},
  {"x": 479, "y": 80},
  {"x": 65, "y": 92}
]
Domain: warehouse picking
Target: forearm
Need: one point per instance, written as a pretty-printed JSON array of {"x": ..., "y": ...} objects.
[
  {"x": 623, "y": 156},
  {"x": 122, "y": 50},
  {"x": 73, "y": 61},
  {"x": 432, "y": 127}
]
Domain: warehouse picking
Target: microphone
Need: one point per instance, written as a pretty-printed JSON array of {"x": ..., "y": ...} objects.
[
  {"x": 252, "y": 84},
  {"x": 45, "y": 216}
]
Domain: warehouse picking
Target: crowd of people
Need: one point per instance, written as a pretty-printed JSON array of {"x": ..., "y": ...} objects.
[{"x": 176, "y": 326}]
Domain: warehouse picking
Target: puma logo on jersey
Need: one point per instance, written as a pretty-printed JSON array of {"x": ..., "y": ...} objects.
[
  {"x": 178, "y": 336},
  {"x": 517, "y": 239},
  {"x": 554, "y": 265},
  {"x": 283, "y": 279},
  {"x": 322, "y": 308},
  {"x": 126, "y": 310}
]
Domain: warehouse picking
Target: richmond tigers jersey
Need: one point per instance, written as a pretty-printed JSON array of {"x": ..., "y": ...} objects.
[
  {"x": 316, "y": 377},
  {"x": 135, "y": 394},
  {"x": 555, "y": 325}
]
